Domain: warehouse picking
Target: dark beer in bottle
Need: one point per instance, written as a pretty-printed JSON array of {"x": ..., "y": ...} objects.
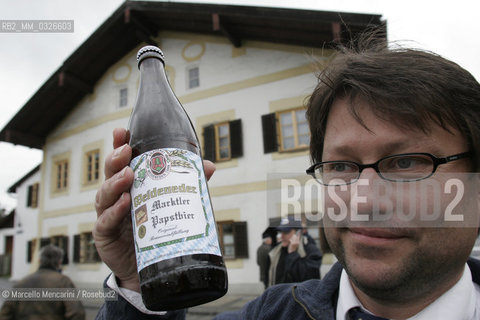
[{"x": 178, "y": 254}]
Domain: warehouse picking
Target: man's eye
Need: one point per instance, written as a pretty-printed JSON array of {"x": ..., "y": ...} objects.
[
  {"x": 409, "y": 163},
  {"x": 405, "y": 163},
  {"x": 337, "y": 167}
]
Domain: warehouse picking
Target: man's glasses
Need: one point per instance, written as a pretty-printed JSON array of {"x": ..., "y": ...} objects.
[{"x": 404, "y": 167}]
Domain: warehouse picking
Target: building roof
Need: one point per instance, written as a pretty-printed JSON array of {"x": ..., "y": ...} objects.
[
  {"x": 13, "y": 188},
  {"x": 135, "y": 22}
]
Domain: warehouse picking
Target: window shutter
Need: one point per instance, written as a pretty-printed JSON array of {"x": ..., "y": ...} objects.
[
  {"x": 29, "y": 251},
  {"x": 269, "y": 127},
  {"x": 29, "y": 196},
  {"x": 240, "y": 239},
  {"x": 236, "y": 143},
  {"x": 76, "y": 248},
  {"x": 209, "y": 143},
  {"x": 65, "y": 249},
  {"x": 34, "y": 197}
]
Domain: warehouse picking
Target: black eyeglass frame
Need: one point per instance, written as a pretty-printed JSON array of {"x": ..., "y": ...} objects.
[{"x": 436, "y": 162}]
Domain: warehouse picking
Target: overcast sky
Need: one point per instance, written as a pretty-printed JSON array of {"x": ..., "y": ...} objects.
[{"x": 27, "y": 60}]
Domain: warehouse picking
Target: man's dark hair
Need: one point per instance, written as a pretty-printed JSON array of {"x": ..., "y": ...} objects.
[
  {"x": 50, "y": 257},
  {"x": 408, "y": 87}
]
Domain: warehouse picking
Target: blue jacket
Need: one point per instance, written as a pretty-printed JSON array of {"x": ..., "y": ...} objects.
[{"x": 313, "y": 299}]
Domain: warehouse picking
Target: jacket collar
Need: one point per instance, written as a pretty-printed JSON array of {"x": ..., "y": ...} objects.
[{"x": 319, "y": 297}]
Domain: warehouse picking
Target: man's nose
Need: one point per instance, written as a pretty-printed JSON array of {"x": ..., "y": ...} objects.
[{"x": 371, "y": 193}]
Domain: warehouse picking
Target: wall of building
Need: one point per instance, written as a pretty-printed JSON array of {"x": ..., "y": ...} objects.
[{"x": 25, "y": 229}]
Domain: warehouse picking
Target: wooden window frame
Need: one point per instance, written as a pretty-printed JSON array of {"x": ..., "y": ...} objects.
[
  {"x": 84, "y": 249},
  {"x": 211, "y": 141},
  {"x": 220, "y": 225},
  {"x": 91, "y": 175},
  {"x": 92, "y": 167},
  {"x": 295, "y": 123},
  {"x": 218, "y": 150},
  {"x": 240, "y": 239},
  {"x": 61, "y": 177}
]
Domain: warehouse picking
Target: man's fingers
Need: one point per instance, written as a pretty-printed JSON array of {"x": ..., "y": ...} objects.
[
  {"x": 120, "y": 137},
  {"x": 209, "y": 168},
  {"x": 112, "y": 189},
  {"x": 111, "y": 219},
  {"x": 117, "y": 160}
]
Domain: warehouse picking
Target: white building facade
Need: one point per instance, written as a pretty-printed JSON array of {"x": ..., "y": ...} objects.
[{"x": 247, "y": 104}]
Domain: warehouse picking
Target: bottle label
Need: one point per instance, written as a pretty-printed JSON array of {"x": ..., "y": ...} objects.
[{"x": 171, "y": 211}]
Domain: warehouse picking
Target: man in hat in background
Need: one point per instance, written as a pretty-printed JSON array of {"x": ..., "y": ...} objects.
[{"x": 293, "y": 260}]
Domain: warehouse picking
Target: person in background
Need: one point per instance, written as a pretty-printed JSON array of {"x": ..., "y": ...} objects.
[
  {"x": 293, "y": 259},
  {"x": 48, "y": 275},
  {"x": 262, "y": 256}
]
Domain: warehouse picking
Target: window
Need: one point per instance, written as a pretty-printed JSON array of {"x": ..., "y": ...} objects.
[
  {"x": 84, "y": 250},
  {"x": 59, "y": 241},
  {"x": 223, "y": 141},
  {"x": 32, "y": 196},
  {"x": 91, "y": 174},
  {"x": 233, "y": 239},
  {"x": 61, "y": 175},
  {"x": 285, "y": 131},
  {"x": 222, "y": 138},
  {"x": 193, "y": 77},
  {"x": 123, "y": 94},
  {"x": 92, "y": 169}
]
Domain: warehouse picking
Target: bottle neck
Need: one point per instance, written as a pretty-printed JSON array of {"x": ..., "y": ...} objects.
[
  {"x": 158, "y": 119},
  {"x": 152, "y": 73}
]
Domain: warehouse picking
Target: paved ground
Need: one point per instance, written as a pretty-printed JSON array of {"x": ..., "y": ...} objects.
[
  {"x": 207, "y": 311},
  {"x": 229, "y": 302}
]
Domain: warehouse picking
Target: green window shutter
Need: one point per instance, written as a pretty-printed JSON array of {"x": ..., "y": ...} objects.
[
  {"x": 240, "y": 236},
  {"x": 76, "y": 248},
  {"x": 209, "y": 143},
  {"x": 269, "y": 128},
  {"x": 236, "y": 143},
  {"x": 29, "y": 251}
]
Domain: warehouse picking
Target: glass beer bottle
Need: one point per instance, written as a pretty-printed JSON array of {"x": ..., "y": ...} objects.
[{"x": 178, "y": 254}]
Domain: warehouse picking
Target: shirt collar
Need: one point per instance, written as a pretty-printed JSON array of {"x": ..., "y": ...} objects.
[{"x": 457, "y": 303}]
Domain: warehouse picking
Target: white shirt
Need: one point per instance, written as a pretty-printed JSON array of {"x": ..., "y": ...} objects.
[
  {"x": 133, "y": 297},
  {"x": 460, "y": 302}
]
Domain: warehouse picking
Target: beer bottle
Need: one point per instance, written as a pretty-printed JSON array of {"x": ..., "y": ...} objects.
[{"x": 178, "y": 254}]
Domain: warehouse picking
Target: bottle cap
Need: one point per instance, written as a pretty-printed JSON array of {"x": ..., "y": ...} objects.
[{"x": 149, "y": 52}]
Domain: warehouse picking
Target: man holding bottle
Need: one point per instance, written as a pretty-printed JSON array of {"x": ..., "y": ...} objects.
[{"x": 396, "y": 118}]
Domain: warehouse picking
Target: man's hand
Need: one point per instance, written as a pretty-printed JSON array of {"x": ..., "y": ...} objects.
[
  {"x": 294, "y": 243},
  {"x": 113, "y": 229}
]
